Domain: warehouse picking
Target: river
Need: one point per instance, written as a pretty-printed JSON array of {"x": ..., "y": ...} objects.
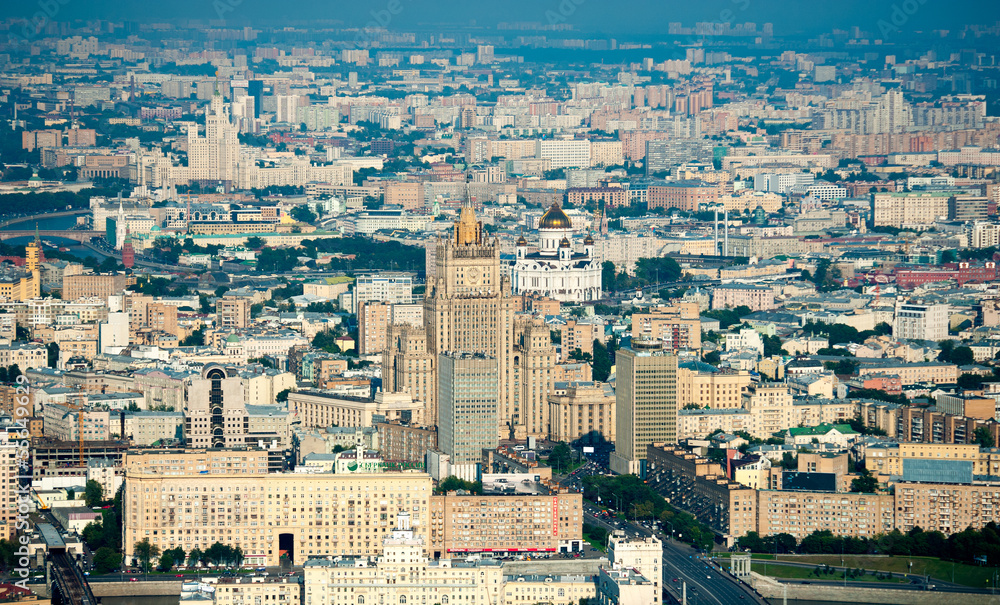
[{"x": 50, "y": 224}]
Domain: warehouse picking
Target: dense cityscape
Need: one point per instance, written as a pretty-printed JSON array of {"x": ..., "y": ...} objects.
[{"x": 523, "y": 309}]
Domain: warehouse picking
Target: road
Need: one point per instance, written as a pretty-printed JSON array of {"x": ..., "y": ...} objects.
[{"x": 707, "y": 584}]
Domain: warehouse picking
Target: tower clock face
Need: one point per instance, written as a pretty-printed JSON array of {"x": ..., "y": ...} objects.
[{"x": 472, "y": 276}]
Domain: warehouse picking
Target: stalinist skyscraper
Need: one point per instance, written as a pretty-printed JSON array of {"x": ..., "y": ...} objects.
[{"x": 468, "y": 308}]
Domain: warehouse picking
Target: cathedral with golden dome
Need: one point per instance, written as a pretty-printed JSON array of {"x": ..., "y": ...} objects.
[{"x": 555, "y": 270}]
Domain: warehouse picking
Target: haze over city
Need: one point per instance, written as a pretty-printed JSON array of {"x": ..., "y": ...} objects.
[{"x": 567, "y": 302}]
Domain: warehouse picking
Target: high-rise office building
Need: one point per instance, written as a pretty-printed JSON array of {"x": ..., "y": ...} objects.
[
  {"x": 645, "y": 403},
  {"x": 468, "y": 412}
]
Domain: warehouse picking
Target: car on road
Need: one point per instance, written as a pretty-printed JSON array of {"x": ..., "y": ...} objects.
[{"x": 133, "y": 579}]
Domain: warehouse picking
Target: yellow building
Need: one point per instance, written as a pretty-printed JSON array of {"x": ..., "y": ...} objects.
[
  {"x": 703, "y": 385},
  {"x": 678, "y": 326},
  {"x": 583, "y": 408}
]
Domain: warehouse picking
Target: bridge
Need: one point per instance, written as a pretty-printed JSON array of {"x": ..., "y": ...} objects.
[
  {"x": 80, "y": 236},
  {"x": 65, "y": 580},
  {"x": 46, "y": 215}
]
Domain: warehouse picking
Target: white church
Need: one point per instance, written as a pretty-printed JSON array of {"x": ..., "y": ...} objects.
[{"x": 556, "y": 270}]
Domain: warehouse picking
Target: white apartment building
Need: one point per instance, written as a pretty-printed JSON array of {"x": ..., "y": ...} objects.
[
  {"x": 564, "y": 153},
  {"x": 393, "y": 288},
  {"x": 917, "y": 321},
  {"x": 984, "y": 235}
]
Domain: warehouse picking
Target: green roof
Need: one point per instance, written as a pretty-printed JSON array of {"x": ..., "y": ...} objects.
[{"x": 822, "y": 429}]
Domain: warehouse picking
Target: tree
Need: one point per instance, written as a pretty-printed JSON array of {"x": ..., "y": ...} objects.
[
  {"x": 453, "y": 483},
  {"x": 254, "y": 243},
  {"x": 983, "y": 437},
  {"x": 70, "y": 494},
  {"x": 53, "y": 351},
  {"x": 561, "y": 456},
  {"x": 106, "y": 560},
  {"x": 93, "y": 493},
  {"x": 303, "y": 214},
  {"x": 146, "y": 552},
  {"x": 865, "y": 483},
  {"x": 282, "y": 395},
  {"x": 772, "y": 346},
  {"x": 602, "y": 362},
  {"x": 194, "y": 557},
  {"x": 195, "y": 339},
  {"x": 166, "y": 562}
]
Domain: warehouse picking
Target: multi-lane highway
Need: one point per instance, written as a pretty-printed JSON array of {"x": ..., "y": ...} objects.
[{"x": 706, "y": 583}]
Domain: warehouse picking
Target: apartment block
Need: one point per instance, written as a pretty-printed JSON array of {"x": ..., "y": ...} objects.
[
  {"x": 683, "y": 195},
  {"x": 349, "y": 514},
  {"x": 405, "y": 444},
  {"x": 730, "y": 296},
  {"x": 677, "y": 326},
  {"x": 93, "y": 285},
  {"x": 909, "y": 208},
  {"x": 919, "y": 321},
  {"x": 583, "y": 408},
  {"x": 494, "y": 523},
  {"x": 800, "y": 513},
  {"x": 580, "y": 334},
  {"x": 232, "y": 312},
  {"x": 707, "y": 387}
]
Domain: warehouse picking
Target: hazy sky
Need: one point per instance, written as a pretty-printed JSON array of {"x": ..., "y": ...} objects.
[{"x": 617, "y": 17}]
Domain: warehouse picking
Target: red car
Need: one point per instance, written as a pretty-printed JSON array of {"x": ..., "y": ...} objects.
[
  {"x": 180, "y": 575},
  {"x": 133, "y": 579}
]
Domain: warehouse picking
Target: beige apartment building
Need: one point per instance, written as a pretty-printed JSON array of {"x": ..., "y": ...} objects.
[
  {"x": 322, "y": 409},
  {"x": 247, "y": 591},
  {"x": 678, "y": 326},
  {"x": 517, "y": 523},
  {"x": 913, "y": 373},
  {"x": 583, "y": 408},
  {"x": 294, "y": 515},
  {"x": 909, "y": 208},
  {"x": 705, "y": 386},
  {"x": 93, "y": 285},
  {"x": 946, "y": 507},
  {"x": 232, "y": 312},
  {"x": 888, "y": 460},
  {"x": 580, "y": 335},
  {"x": 845, "y": 514},
  {"x": 27, "y": 355},
  {"x": 408, "y": 195},
  {"x": 730, "y": 296}
]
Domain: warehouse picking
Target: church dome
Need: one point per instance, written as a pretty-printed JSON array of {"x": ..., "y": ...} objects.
[
  {"x": 564, "y": 243},
  {"x": 521, "y": 241},
  {"x": 555, "y": 218},
  {"x": 588, "y": 241}
]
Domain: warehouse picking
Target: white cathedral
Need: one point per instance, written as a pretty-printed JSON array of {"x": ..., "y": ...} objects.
[{"x": 555, "y": 270}]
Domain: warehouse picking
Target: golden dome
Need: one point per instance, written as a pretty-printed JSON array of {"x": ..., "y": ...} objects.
[
  {"x": 521, "y": 241},
  {"x": 555, "y": 218},
  {"x": 564, "y": 243},
  {"x": 588, "y": 241}
]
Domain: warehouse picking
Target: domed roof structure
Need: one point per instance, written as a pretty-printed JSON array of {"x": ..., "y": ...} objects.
[
  {"x": 588, "y": 241},
  {"x": 555, "y": 218},
  {"x": 564, "y": 243},
  {"x": 521, "y": 241}
]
